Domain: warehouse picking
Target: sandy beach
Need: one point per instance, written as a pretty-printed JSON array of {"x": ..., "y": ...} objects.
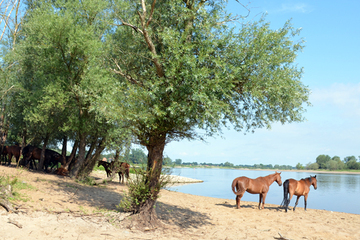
[{"x": 57, "y": 207}]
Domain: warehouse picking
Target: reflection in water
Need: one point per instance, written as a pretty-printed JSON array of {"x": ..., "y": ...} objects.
[{"x": 335, "y": 192}]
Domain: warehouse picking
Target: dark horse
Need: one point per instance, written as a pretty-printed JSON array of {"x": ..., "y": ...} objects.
[
  {"x": 30, "y": 153},
  {"x": 122, "y": 169},
  {"x": 297, "y": 188},
  {"x": 106, "y": 165},
  {"x": 259, "y": 185},
  {"x": 11, "y": 151}
]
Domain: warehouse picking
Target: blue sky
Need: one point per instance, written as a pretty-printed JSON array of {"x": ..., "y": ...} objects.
[{"x": 331, "y": 62}]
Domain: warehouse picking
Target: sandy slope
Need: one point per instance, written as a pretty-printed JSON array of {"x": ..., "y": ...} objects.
[{"x": 60, "y": 208}]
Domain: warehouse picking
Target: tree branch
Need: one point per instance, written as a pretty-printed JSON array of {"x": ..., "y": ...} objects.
[
  {"x": 155, "y": 60},
  {"x": 128, "y": 77},
  {"x": 151, "y": 13}
]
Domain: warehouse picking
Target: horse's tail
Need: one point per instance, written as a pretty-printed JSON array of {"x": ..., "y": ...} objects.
[
  {"x": 286, "y": 193},
  {"x": 233, "y": 186}
]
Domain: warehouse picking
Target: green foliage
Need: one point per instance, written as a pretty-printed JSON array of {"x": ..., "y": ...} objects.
[
  {"x": 228, "y": 164},
  {"x": 137, "y": 156},
  {"x": 353, "y": 164},
  {"x": 349, "y": 158},
  {"x": 167, "y": 161},
  {"x": 178, "y": 161},
  {"x": 16, "y": 186},
  {"x": 139, "y": 191},
  {"x": 322, "y": 160},
  {"x": 312, "y": 166},
  {"x": 334, "y": 163},
  {"x": 137, "y": 195},
  {"x": 299, "y": 166},
  {"x": 87, "y": 180}
]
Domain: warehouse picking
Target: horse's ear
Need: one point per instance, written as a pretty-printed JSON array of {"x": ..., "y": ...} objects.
[{"x": 315, "y": 176}]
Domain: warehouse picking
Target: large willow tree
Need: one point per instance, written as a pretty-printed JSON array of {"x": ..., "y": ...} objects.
[{"x": 182, "y": 69}]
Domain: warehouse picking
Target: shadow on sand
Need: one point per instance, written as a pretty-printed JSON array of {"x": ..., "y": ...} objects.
[
  {"x": 249, "y": 206},
  {"x": 182, "y": 217}
]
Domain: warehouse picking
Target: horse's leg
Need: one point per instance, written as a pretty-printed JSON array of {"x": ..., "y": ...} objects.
[
  {"x": 238, "y": 198},
  {"x": 263, "y": 200},
  {"x": 305, "y": 200},
  {"x": 288, "y": 201},
  {"x": 9, "y": 158},
  {"x": 260, "y": 198},
  {"x": 297, "y": 201},
  {"x": 17, "y": 161}
]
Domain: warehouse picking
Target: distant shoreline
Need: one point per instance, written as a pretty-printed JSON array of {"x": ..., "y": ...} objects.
[{"x": 280, "y": 170}]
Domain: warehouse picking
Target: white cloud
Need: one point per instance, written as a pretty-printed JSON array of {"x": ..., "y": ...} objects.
[
  {"x": 344, "y": 97},
  {"x": 297, "y": 7}
]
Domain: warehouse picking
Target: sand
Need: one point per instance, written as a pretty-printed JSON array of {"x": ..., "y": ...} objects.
[{"x": 59, "y": 208}]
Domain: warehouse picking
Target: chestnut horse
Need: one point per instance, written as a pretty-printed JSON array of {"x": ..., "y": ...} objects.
[
  {"x": 297, "y": 188},
  {"x": 259, "y": 186},
  {"x": 12, "y": 151},
  {"x": 124, "y": 169}
]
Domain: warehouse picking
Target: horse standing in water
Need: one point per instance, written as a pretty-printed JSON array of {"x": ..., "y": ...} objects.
[
  {"x": 259, "y": 186},
  {"x": 297, "y": 188}
]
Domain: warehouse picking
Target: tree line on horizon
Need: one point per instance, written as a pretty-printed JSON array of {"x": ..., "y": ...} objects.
[{"x": 325, "y": 162}]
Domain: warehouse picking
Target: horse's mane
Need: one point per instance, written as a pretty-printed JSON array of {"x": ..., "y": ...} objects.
[{"x": 309, "y": 178}]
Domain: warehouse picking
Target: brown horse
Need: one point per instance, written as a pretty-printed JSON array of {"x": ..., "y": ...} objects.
[
  {"x": 124, "y": 168},
  {"x": 297, "y": 188},
  {"x": 106, "y": 165},
  {"x": 12, "y": 151},
  {"x": 259, "y": 186},
  {"x": 52, "y": 158}
]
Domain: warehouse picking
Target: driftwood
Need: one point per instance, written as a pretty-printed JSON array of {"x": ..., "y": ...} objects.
[
  {"x": 102, "y": 181},
  {"x": 282, "y": 238},
  {"x": 5, "y": 193},
  {"x": 15, "y": 223}
]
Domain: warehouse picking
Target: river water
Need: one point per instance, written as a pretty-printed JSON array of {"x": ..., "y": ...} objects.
[{"x": 335, "y": 192}]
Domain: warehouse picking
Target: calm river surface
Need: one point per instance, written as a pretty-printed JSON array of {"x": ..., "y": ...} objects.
[{"x": 335, "y": 192}]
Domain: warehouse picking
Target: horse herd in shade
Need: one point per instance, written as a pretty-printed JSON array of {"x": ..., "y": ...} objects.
[
  {"x": 261, "y": 186},
  {"x": 52, "y": 159}
]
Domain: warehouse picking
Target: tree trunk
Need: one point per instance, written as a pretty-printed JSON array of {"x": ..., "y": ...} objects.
[
  {"x": 64, "y": 148},
  {"x": 42, "y": 157},
  {"x": 90, "y": 159},
  {"x": 80, "y": 160},
  {"x": 155, "y": 149},
  {"x": 3, "y": 131},
  {"x": 72, "y": 154}
]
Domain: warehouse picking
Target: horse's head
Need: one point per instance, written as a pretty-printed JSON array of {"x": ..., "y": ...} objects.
[
  {"x": 278, "y": 178},
  {"x": 313, "y": 181}
]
